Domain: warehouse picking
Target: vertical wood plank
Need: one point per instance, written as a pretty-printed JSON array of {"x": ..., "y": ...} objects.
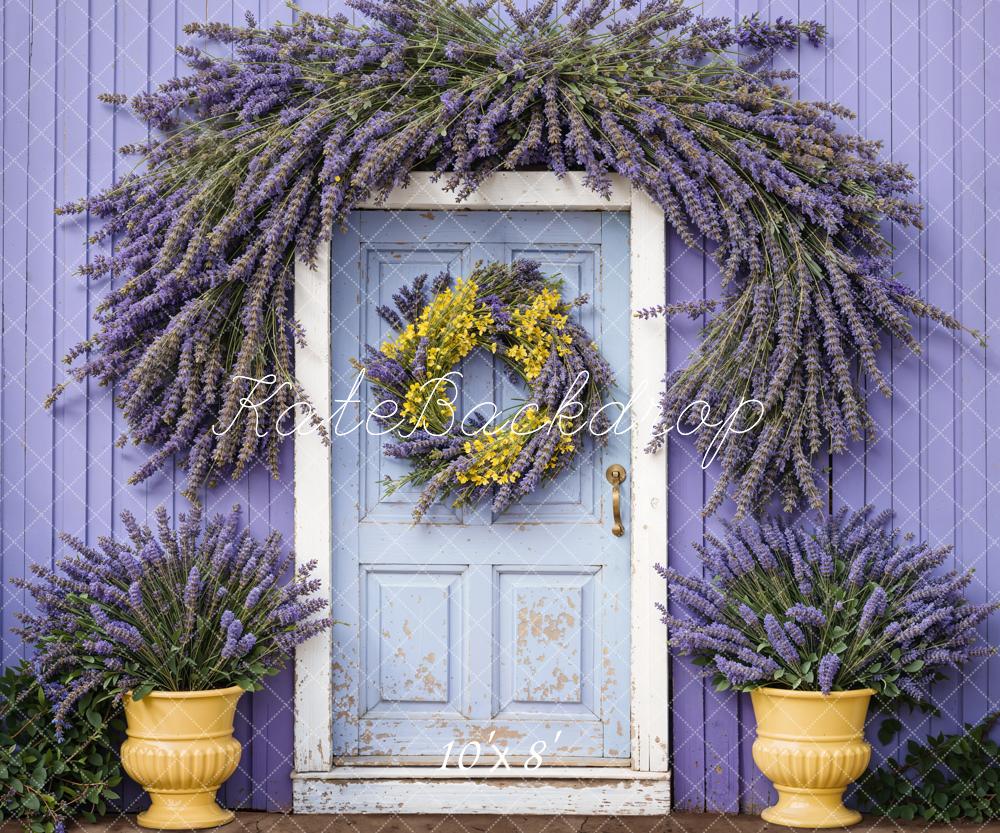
[
  {"x": 939, "y": 464},
  {"x": 650, "y": 672},
  {"x": 131, "y": 77},
  {"x": 70, "y": 510},
  {"x": 162, "y": 40},
  {"x": 755, "y": 792},
  {"x": 905, "y": 105},
  {"x": 845, "y": 84},
  {"x": 101, "y": 166},
  {"x": 270, "y": 708},
  {"x": 684, "y": 498},
  {"x": 102, "y": 40},
  {"x": 39, "y": 322},
  {"x": 872, "y": 92},
  {"x": 16, "y": 118},
  {"x": 972, "y": 158},
  {"x": 991, "y": 260}
]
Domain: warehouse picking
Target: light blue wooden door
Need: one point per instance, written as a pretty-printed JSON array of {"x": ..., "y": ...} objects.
[{"x": 513, "y": 629}]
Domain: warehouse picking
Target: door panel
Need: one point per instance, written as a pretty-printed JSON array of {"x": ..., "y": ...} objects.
[{"x": 511, "y": 629}]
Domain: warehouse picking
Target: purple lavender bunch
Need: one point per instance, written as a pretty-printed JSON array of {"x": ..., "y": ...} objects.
[
  {"x": 110, "y": 617},
  {"x": 259, "y": 153},
  {"x": 844, "y": 605}
]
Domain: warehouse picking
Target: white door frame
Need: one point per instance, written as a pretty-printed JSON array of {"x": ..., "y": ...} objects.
[{"x": 644, "y": 788}]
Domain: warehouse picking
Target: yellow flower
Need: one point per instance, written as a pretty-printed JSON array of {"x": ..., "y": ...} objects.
[
  {"x": 496, "y": 451},
  {"x": 537, "y": 327},
  {"x": 453, "y": 323}
]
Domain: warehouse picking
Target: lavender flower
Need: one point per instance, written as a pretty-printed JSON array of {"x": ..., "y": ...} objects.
[
  {"x": 788, "y": 617},
  {"x": 123, "y": 636},
  {"x": 135, "y": 596},
  {"x": 748, "y": 614},
  {"x": 779, "y": 640},
  {"x": 191, "y": 590},
  {"x": 874, "y": 608},
  {"x": 796, "y": 634},
  {"x": 806, "y": 615},
  {"x": 826, "y": 674},
  {"x": 233, "y": 633},
  {"x": 739, "y": 674}
]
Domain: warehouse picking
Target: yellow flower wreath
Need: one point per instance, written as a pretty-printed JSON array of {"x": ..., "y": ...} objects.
[{"x": 518, "y": 314}]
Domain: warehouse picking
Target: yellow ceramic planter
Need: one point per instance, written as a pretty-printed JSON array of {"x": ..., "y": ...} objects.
[
  {"x": 180, "y": 748},
  {"x": 811, "y": 746}
]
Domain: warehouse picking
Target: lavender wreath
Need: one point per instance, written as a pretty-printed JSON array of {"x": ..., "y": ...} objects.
[
  {"x": 517, "y": 314},
  {"x": 260, "y": 155}
]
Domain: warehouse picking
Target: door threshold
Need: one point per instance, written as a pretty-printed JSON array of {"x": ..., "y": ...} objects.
[
  {"x": 485, "y": 762},
  {"x": 426, "y": 773},
  {"x": 542, "y": 791}
]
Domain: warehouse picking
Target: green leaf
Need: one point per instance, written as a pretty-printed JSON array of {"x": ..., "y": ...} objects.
[
  {"x": 142, "y": 691},
  {"x": 888, "y": 730},
  {"x": 38, "y": 776},
  {"x": 94, "y": 719}
]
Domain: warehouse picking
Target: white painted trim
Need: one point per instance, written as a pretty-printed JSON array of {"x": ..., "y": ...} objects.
[
  {"x": 313, "y": 521},
  {"x": 650, "y": 716},
  {"x": 640, "y": 794},
  {"x": 516, "y": 190},
  {"x": 643, "y": 789}
]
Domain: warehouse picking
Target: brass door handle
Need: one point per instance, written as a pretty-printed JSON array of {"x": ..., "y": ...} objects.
[{"x": 616, "y": 476}]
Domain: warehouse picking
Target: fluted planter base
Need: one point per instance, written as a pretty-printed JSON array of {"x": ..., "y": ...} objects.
[
  {"x": 184, "y": 811},
  {"x": 798, "y": 807},
  {"x": 811, "y": 746},
  {"x": 180, "y": 749}
]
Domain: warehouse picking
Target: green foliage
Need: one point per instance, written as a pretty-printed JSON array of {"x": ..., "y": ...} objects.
[
  {"x": 42, "y": 780},
  {"x": 949, "y": 777}
]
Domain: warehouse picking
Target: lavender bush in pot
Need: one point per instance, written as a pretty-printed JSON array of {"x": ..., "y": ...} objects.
[
  {"x": 813, "y": 623},
  {"x": 175, "y": 625}
]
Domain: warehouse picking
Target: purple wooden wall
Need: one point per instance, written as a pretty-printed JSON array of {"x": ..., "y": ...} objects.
[{"x": 922, "y": 75}]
